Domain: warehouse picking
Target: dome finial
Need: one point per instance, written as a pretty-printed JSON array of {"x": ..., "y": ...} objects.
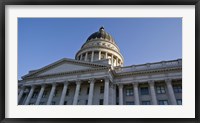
[{"x": 101, "y": 28}]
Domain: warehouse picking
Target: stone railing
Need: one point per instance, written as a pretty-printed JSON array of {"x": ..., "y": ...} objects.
[{"x": 150, "y": 66}]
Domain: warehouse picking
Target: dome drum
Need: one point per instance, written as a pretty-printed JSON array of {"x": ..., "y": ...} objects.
[{"x": 91, "y": 56}]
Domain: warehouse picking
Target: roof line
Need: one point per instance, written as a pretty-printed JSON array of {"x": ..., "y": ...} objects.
[{"x": 61, "y": 60}]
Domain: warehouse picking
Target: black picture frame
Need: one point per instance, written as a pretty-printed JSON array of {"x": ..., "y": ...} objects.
[{"x": 97, "y": 2}]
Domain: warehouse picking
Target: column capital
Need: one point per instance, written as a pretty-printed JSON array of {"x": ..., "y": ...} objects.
[
  {"x": 168, "y": 81},
  {"x": 43, "y": 85},
  {"x": 151, "y": 82},
  {"x": 135, "y": 83},
  {"x": 106, "y": 80},
  {"x": 33, "y": 86},
  {"x": 120, "y": 85},
  {"x": 106, "y": 77},
  {"x": 91, "y": 80},
  {"x": 22, "y": 87},
  {"x": 65, "y": 82},
  {"x": 54, "y": 84},
  {"x": 78, "y": 82}
]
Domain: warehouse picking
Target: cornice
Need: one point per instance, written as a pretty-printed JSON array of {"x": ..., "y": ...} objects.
[
  {"x": 66, "y": 73},
  {"x": 43, "y": 69},
  {"x": 98, "y": 39},
  {"x": 117, "y": 75}
]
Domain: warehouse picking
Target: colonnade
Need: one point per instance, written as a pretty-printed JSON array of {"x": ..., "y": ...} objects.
[
  {"x": 91, "y": 92},
  {"x": 64, "y": 91},
  {"x": 152, "y": 92},
  {"x": 84, "y": 56}
]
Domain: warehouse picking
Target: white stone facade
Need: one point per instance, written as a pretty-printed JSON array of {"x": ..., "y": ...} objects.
[{"x": 97, "y": 77}]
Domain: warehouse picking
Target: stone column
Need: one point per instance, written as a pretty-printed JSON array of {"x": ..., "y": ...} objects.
[
  {"x": 64, "y": 91},
  {"x": 78, "y": 84},
  {"x": 24, "y": 100},
  {"x": 114, "y": 94},
  {"x": 91, "y": 92},
  {"x": 99, "y": 55},
  {"x": 171, "y": 92},
  {"x": 111, "y": 94},
  {"x": 21, "y": 93},
  {"x": 136, "y": 94},
  {"x": 106, "y": 91},
  {"x": 40, "y": 94},
  {"x": 153, "y": 93},
  {"x": 117, "y": 61},
  {"x": 81, "y": 56},
  {"x": 106, "y": 55},
  {"x": 30, "y": 95},
  {"x": 86, "y": 54},
  {"x": 120, "y": 94},
  {"x": 51, "y": 94},
  {"x": 112, "y": 60},
  {"x": 92, "y": 58}
]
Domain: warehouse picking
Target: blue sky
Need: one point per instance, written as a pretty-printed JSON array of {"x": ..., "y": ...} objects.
[{"x": 42, "y": 41}]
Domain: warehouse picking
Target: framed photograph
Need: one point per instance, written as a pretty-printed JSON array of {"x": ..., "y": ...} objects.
[{"x": 132, "y": 60}]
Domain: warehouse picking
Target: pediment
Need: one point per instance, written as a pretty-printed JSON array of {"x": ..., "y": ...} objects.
[
  {"x": 65, "y": 67},
  {"x": 62, "y": 66}
]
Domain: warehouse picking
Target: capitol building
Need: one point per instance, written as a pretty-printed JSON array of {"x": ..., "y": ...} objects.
[{"x": 97, "y": 77}]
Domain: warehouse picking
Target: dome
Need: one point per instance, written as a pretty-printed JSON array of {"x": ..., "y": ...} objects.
[
  {"x": 100, "y": 46},
  {"x": 101, "y": 34}
]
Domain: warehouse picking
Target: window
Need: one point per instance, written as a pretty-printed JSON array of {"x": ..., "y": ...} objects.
[
  {"x": 102, "y": 89},
  {"x": 65, "y": 102},
  {"x": 103, "y": 56},
  {"x": 89, "y": 57},
  {"x": 101, "y": 102},
  {"x": 86, "y": 102},
  {"x": 177, "y": 88},
  {"x": 144, "y": 90},
  {"x": 35, "y": 94},
  {"x": 129, "y": 92},
  {"x": 88, "y": 89},
  {"x": 41, "y": 103},
  {"x": 67, "y": 93},
  {"x": 53, "y": 103},
  {"x": 160, "y": 89},
  {"x": 179, "y": 101},
  {"x": 162, "y": 102},
  {"x": 83, "y": 58},
  {"x": 44, "y": 94},
  {"x": 80, "y": 91},
  {"x": 55, "y": 93},
  {"x": 129, "y": 103},
  {"x": 146, "y": 103}
]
